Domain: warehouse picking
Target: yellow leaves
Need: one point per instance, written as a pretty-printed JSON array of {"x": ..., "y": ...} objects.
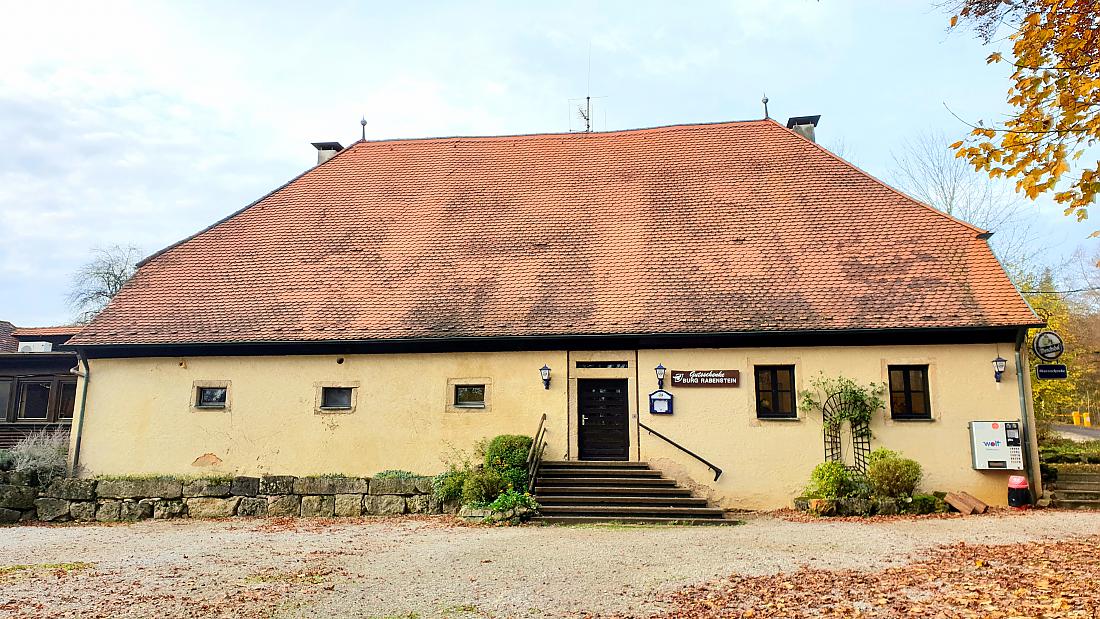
[
  {"x": 954, "y": 20},
  {"x": 1053, "y": 92}
]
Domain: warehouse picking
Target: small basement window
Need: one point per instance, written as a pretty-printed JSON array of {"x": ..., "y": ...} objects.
[
  {"x": 469, "y": 396},
  {"x": 336, "y": 398},
  {"x": 210, "y": 397}
]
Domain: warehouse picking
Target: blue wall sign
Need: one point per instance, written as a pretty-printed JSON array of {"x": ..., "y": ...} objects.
[
  {"x": 1051, "y": 372},
  {"x": 660, "y": 402}
]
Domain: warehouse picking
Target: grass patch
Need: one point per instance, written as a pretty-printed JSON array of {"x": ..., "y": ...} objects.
[
  {"x": 308, "y": 578},
  {"x": 76, "y": 566},
  {"x": 460, "y": 609}
]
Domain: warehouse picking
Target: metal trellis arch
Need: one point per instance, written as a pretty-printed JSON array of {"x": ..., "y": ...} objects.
[{"x": 836, "y": 409}]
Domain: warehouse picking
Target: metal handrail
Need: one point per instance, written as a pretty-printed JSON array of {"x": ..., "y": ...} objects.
[
  {"x": 717, "y": 471},
  {"x": 534, "y": 454}
]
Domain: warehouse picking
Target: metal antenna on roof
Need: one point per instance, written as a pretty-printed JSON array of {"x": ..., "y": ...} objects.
[
  {"x": 363, "y": 124},
  {"x": 765, "y": 102}
]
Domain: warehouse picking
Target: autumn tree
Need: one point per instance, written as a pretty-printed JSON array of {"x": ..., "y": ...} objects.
[
  {"x": 1054, "y": 93},
  {"x": 99, "y": 280}
]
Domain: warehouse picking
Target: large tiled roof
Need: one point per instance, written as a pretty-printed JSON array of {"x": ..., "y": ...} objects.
[{"x": 726, "y": 227}]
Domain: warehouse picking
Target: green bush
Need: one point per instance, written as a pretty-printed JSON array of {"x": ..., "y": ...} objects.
[
  {"x": 507, "y": 451},
  {"x": 5, "y": 460},
  {"x": 507, "y": 454},
  {"x": 891, "y": 475},
  {"x": 926, "y": 504},
  {"x": 833, "y": 480},
  {"x": 511, "y": 499},
  {"x": 447, "y": 486},
  {"x": 482, "y": 487},
  {"x": 1063, "y": 451},
  {"x": 396, "y": 474}
]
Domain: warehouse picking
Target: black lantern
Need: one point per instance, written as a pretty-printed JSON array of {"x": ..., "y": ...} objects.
[
  {"x": 999, "y": 365},
  {"x": 660, "y": 370},
  {"x": 545, "y": 372}
]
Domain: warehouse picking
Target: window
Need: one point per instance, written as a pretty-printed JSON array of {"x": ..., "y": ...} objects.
[
  {"x": 336, "y": 398},
  {"x": 34, "y": 401},
  {"x": 775, "y": 392},
  {"x": 66, "y": 401},
  {"x": 211, "y": 397},
  {"x": 909, "y": 392},
  {"x": 470, "y": 396},
  {"x": 5, "y": 398},
  {"x": 37, "y": 399}
]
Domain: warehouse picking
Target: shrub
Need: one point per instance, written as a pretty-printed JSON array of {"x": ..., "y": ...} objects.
[
  {"x": 833, "y": 480},
  {"x": 42, "y": 452},
  {"x": 447, "y": 486},
  {"x": 396, "y": 474},
  {"x": 482, "y": 487},
  {"x": 891, "y": 475},
  {"x": 507, "y": 454},
  {"x": 5, "y": 460},
  {"x": 511, "y": 499},
  {"x": 926, "y": 504}
]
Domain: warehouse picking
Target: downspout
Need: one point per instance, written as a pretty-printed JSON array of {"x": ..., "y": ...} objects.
[
  {"x": 83, "y": 403},
  {"x": 1025, "y": 418}
]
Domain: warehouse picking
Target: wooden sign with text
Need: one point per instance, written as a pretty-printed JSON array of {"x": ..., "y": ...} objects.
[{"x": 705, "y": 378}]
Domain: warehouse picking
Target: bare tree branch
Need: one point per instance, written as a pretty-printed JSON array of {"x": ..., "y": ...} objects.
[
  {"x": 97, "y": 282},
  {"x": 927, "y": 169}
]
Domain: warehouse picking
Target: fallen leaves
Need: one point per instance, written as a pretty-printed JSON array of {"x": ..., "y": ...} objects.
[{"x": 1039, "y": 579}]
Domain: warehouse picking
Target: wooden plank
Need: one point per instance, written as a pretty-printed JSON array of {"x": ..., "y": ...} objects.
[
  {"x": 959, "y": 503},
  {"x": 977, "y": 504}
]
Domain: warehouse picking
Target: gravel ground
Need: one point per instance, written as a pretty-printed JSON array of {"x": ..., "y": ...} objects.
[{"x": 433, "y": 567}]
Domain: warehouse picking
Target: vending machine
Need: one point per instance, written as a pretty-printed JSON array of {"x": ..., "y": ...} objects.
[{"x": 996, "y": 445}]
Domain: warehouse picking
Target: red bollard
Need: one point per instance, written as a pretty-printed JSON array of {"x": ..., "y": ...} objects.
[{"x": 1018, "y": 495}]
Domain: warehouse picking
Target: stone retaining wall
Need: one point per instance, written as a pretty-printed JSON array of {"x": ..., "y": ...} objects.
[{"x": 23, "y": 498}]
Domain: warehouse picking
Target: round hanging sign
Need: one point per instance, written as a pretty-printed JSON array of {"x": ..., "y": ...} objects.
[{"x": 1048, "y": 345}]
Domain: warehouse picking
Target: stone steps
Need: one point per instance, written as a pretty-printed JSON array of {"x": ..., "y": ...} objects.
[
  {"x": 1076, "y": 490},
  {"x": 624, "y": 492}
]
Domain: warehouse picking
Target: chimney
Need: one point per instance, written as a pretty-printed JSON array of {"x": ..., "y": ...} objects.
[
  {"x": 804, "y": 125},
  {"x": 326, "y": 150}
]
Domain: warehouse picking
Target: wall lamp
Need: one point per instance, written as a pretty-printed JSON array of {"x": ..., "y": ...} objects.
[
  {"x": 660, "y": 370},
  {"x": 545, "y": 372},
  {"x": 999, "y": 365}
]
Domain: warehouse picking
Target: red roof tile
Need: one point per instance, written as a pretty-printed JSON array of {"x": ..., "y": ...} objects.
[
  {"x": 29, "y": 332},
  {"x": 7, "y": 342},
  {"x": 727, "y": 227}
]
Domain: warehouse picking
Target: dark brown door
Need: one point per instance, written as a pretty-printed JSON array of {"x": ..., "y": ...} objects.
[{"x": 602, "y": 413}]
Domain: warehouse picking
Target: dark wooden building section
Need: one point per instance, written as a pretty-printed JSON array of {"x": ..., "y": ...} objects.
[{"x": 37, "y": 389}]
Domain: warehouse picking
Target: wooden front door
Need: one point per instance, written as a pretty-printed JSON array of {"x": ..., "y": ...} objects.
[{"x": 602, "y": 413}]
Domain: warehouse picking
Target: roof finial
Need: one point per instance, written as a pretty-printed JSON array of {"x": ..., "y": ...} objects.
[
  {"x": 363, "y": 123},
  {"x": 765, "y": 102}
]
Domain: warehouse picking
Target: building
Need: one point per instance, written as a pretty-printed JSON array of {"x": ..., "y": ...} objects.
[
  {"x": 400, "y": 298},
  {"x": 37, "y": 391}
]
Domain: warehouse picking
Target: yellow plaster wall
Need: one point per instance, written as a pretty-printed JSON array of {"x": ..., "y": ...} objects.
[
  {"x": 766, "y": 463},
  {"x": 139, "y": 417}
]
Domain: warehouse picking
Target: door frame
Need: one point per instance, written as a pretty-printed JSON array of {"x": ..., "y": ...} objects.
[{"x": 629, "y": 373}]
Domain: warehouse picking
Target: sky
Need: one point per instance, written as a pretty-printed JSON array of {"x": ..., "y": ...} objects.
[{"x": 142, "y": 123}]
